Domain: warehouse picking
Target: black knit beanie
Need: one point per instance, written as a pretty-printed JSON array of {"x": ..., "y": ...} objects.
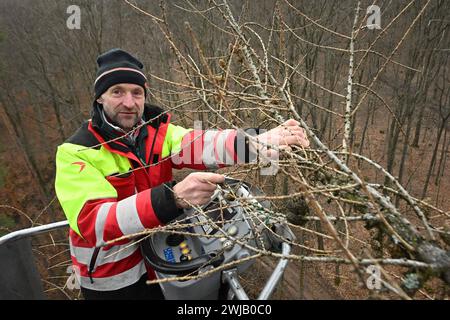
[{"x": 117, "y": 66}]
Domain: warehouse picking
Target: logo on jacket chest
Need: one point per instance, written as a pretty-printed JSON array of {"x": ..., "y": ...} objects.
[{"x": 81, "y": 164}]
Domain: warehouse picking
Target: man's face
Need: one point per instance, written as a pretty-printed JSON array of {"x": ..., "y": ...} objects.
[{"x": 124, "y": 104}]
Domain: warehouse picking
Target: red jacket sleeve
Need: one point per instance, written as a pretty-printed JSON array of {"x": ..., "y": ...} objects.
[{"x": 107, "y": 219}]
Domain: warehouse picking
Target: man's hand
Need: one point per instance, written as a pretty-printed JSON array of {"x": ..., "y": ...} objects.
[
  {"x": 286, "y": 134},
  {"x": 196, "y": 189}
]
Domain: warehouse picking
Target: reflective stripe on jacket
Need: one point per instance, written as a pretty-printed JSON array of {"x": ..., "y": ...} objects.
[{"x": 107, "y": 190}]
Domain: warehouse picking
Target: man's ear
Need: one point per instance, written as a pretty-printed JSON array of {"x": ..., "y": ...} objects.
[{"x": 100, "y": 100}]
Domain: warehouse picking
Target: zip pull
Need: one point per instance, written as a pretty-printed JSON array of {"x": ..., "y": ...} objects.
[{"x": 92, "y": 263}]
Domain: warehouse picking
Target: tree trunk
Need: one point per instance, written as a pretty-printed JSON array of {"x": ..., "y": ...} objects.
[
  {"x": 23, "y": 149},
  {"x": 433, "y": 159},
  {"x": 404, "y": 153}
]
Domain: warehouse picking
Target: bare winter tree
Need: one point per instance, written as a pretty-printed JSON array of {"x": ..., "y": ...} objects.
[{"x": 360, "y": 197}]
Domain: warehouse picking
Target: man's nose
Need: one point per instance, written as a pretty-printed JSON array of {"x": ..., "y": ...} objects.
[{"x": 128, "y": 100}]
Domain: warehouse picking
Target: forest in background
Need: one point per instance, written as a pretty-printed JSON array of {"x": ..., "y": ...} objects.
[{"x": 394, "y": 109}]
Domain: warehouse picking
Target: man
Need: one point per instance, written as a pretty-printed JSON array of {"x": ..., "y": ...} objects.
[{"x": 114, "y": 177}]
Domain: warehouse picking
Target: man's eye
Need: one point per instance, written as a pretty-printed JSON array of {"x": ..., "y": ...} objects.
[
  {"x": 116, "y": 92},
  {"x": 138, "y": 93}
]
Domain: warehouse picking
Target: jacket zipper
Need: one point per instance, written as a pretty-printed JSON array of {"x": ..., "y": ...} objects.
[{"x": 92, "y": 263}]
